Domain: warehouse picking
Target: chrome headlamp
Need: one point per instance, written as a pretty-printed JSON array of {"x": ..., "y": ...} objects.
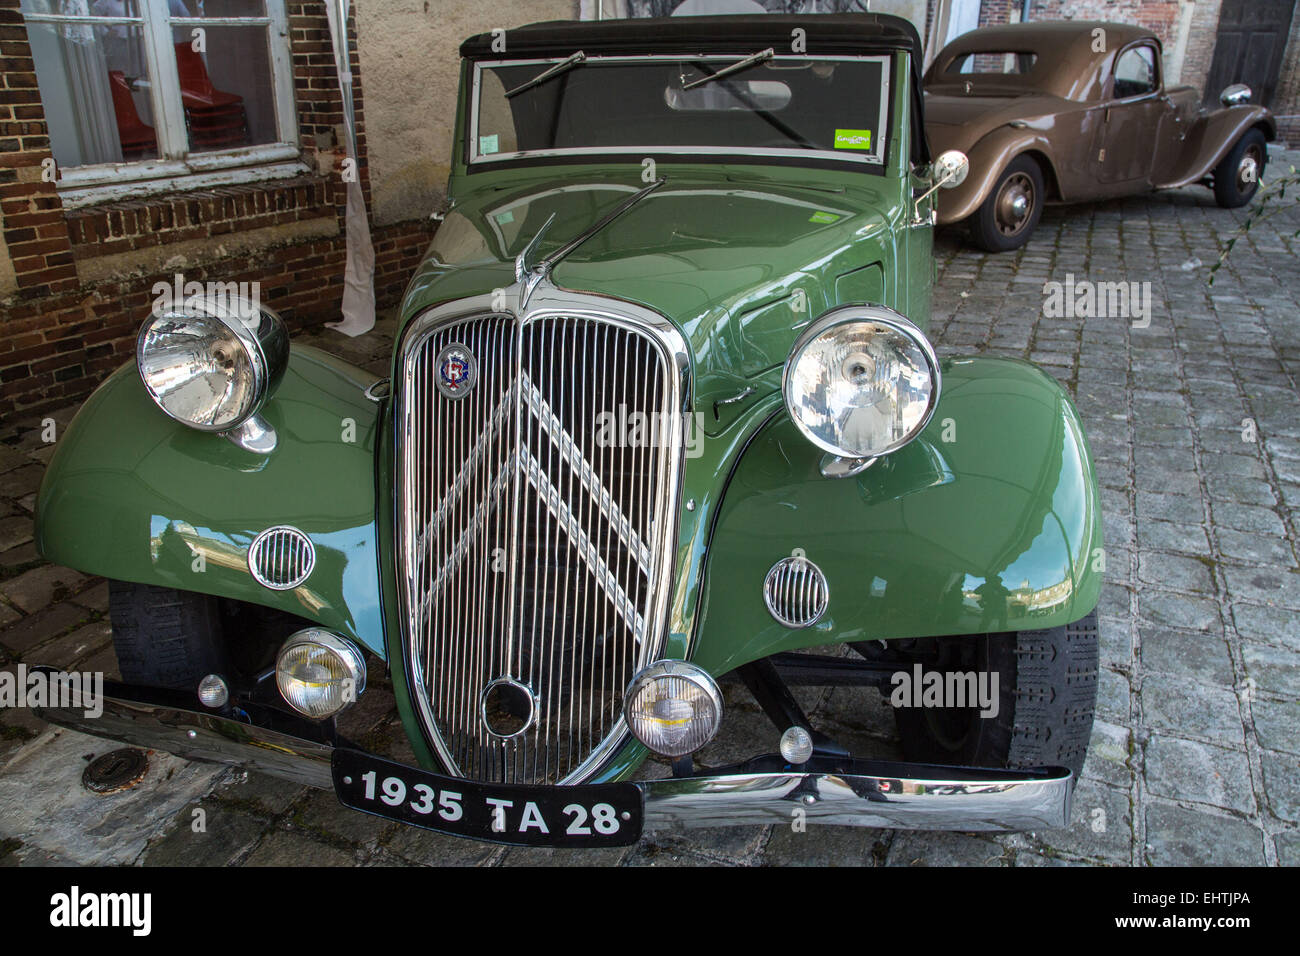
[
  {"x": 673, "y": 707},
  {"x": 861, "y": 381},
  {"x": 211, "y": 362},
  {"x": 319, "y": 673}
]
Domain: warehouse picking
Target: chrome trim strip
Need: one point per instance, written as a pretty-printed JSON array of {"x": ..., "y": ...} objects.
[{"x": 547, "y": 265}]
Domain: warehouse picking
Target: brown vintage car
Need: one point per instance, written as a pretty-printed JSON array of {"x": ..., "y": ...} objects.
[{"x": 1075, "y": 111}]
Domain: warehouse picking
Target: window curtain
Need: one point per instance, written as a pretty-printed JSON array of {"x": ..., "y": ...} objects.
[
  {"x": 87, "y": 71},
  {"x": 359, "y": 270},
  {"x": 84, "y": 77}
]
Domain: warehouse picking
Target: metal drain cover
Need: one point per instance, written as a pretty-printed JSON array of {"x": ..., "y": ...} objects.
[{"x": 115, "y": 771}]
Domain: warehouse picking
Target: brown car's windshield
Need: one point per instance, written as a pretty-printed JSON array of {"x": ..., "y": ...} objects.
[{"x": 837, "y": 107}]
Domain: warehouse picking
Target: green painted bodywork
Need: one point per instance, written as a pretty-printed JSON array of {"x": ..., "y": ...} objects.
[
  {"x": 989, "y": 520},
  {"x": 132, "y": 495}
]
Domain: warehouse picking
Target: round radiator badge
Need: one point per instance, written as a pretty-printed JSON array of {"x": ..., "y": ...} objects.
[{"x": 457, "y": 371}]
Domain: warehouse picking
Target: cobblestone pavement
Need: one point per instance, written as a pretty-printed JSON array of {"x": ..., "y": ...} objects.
[{"x": 1195, "y": 755}]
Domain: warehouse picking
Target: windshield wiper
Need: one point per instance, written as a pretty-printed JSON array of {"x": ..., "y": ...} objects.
[
  {"x": 562, "y": 67},
  {"x": 736, "y": 67}
]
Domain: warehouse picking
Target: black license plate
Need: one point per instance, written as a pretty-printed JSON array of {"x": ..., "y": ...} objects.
[{"x": 588, "y": 815}]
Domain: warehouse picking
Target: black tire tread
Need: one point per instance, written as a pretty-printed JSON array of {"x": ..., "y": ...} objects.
[
  {"x": 1047, "y": 696},
  {"x": 164, "y": 637},
  {"x": 1055, "y": 696},
  {"x": 1226, "y": 193}
]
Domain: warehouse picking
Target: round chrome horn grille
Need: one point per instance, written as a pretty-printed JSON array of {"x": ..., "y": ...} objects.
[
  {"x": 281, "y": 558},
  {"x": 796, "y": 592}
]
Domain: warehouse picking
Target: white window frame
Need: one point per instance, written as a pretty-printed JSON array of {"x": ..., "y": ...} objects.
[{"x": 175, "y": 168}]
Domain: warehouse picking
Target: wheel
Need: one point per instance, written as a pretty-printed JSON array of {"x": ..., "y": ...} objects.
[
  {"x": 1236, "y": 179},
  {"x": 164, "y": 637},
  {"x": 1047, "y": 694},
  {"x": 1005, "y": 220},
  {"x": 169, "y": 638}
]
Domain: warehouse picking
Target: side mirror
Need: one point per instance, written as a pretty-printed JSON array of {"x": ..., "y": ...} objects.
[
  {"x": 950, "y": 169},
  {"x": 1237, "y": 94},
  {"x": 947, "y": 171}
]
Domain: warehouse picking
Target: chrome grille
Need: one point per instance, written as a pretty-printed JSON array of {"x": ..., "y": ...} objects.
[
  {"x": 281, "y": 558},
  {"x": 535, "y": 550},
  {"x": 795, "y": 592}
]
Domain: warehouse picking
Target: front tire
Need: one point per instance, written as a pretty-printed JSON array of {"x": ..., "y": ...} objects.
[
  {"x": 1047, "y": 696},
  {"x": 1010, "y": 213},
  {"x": 164, "y": 637},
  {"x": 1236, "y": 179},
  {"x": 169, "y": 638}
]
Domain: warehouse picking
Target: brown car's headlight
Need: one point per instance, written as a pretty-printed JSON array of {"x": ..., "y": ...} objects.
[
  {"x": 211, "y": 364},
  {"x": 861, "y": 381}
]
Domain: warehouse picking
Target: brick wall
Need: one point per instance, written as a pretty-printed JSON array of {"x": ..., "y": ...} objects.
[
  {"x": 1158, "y": 16},
  {"x": 75, "y": 284},
  {"x": 993, "y": 12}
]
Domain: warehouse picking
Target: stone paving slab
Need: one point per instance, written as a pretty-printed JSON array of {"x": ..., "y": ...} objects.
[{"x": 1194, "y": 421}]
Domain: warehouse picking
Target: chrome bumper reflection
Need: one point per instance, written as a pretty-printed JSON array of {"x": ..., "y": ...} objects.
[
  {"x": 763, "y": 791},
  {"x": 864, "y": 794}
]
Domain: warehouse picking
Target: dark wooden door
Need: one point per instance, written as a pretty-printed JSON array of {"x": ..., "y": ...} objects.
[{"x": 1249, "y": 47}]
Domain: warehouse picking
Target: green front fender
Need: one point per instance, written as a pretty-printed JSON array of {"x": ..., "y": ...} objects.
[
  {"x": 989, "y": 521},
  {"x": 132, "y": 495}
]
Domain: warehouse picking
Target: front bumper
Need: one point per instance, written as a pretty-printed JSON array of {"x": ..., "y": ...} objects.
[{"x": 846, "y": 792}]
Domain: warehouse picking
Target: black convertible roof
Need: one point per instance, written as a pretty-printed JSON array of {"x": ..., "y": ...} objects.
[{"x": 826, "y": 34}]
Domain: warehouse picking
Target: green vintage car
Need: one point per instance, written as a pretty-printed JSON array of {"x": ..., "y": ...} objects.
[{"x": 662, "y": 415}]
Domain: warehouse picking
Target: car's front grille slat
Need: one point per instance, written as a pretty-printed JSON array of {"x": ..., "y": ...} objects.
[{"x": 533, "y": 532}]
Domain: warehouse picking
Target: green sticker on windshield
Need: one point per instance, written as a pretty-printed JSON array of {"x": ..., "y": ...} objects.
[
  {"x": 823, "y": 217},
  {"x": 487, "y": 144},
  {"x": 505, "y": 218},
  {"x": 853, "y": 139}
]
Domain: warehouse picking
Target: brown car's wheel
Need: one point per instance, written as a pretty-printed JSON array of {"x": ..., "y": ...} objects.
[
  {"x": 1236, "y": 179},
  {"x": 1014, "y": 205},
  {"x": 1047, "y": 693}
]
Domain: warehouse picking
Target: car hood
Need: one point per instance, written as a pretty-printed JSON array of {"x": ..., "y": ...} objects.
[
  {"x": 959, "y": 122},
  {"x": 724, "y": 253}
]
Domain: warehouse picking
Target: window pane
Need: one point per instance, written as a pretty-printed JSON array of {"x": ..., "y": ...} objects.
[
  {"x": 788, "y": 104},
  {"x": 1006, "y": 64},
  {"x": 217, "y": 8},
  {"x": 94, "y": 84},
  {"x": 1136, "y": 73},
  {"x": 226, "y": 88}
]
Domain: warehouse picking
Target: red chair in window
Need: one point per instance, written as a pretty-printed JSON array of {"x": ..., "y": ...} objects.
[
  {"x": 216, "y": 119},
  {"x": 137, "y": 137}
]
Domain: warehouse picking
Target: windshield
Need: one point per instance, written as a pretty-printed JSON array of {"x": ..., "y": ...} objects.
[{"x": 834, "y": 107}]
